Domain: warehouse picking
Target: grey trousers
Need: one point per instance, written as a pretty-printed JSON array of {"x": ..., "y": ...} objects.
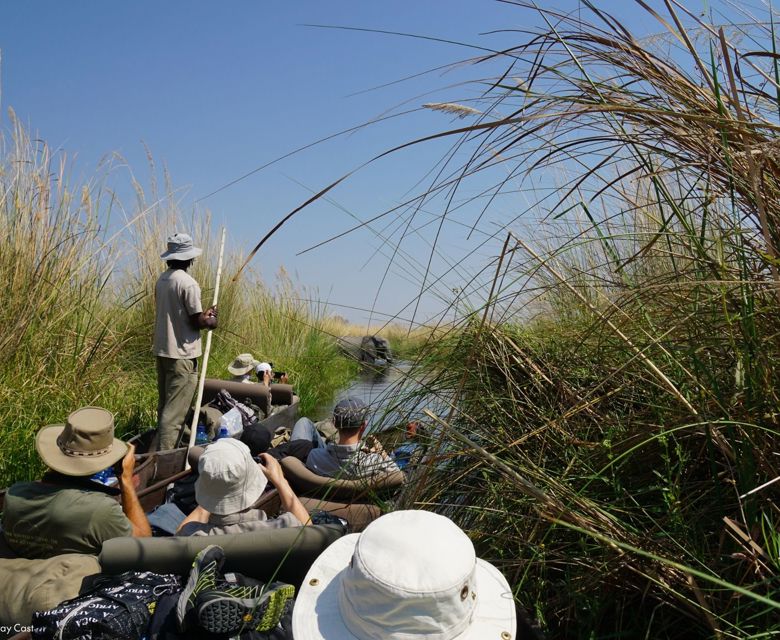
[{"x": 176, "y": 384}]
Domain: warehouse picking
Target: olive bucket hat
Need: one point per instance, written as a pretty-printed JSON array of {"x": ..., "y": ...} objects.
[
  {"x": 82, "y": 446},
  {"x": 243, "y": 363}
]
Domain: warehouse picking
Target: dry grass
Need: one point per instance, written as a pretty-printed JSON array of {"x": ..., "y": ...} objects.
[
  {"x": 80, "y": 270},
  {"x": 600, "y": 417}
]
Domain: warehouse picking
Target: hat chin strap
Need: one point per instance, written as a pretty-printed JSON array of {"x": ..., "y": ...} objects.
[{"x": 373, "y": 613}]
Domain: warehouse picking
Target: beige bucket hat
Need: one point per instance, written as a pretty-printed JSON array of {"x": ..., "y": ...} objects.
[
  {"x": 82, "y": 446},
  {"x": 243, "y": 363},
  {"x": 229, "y": 480},
  {"x": 409, "y": 575}
]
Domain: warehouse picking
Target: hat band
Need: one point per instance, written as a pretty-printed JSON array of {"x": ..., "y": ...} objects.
[{"x": 81, "y": 454}]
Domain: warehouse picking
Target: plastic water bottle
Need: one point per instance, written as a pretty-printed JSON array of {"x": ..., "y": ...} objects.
[
  {"x": 100, "y": 476},
  {"x": 201, "y": 436},
  {"x": 223, "y": 433},
  {"x": 106, "y": 477}
]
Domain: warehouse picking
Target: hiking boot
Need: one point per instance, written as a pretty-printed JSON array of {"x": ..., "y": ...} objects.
[
  {"x": 206, "y": 569},
  {"x": 234, "y": 608}
]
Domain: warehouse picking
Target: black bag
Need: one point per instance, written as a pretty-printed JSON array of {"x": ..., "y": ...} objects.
[
  {"x": 115, "y": 608},
  {"x": 182, "y": 493},
  {"x": 295, "y": 448}
]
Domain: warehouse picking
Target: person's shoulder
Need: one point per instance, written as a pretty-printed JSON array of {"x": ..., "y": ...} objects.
[
  {"x": 17, "y": 487},
  {"x": 183, "y": 279},
  {"x": 33, "y": 488}
]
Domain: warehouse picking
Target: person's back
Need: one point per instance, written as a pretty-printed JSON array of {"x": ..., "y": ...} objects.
[
  {"x": 61, "y": 515},
  {"x": 350, "y": 457},
  {"x": 67, "y": 512},
  {"x": 177, "y": 296},
  {"x": 348, "y": 461},
  {"x": 229, "y": 485}
]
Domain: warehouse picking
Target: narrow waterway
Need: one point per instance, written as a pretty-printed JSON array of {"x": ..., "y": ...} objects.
[{"x": 394, "y": 399}]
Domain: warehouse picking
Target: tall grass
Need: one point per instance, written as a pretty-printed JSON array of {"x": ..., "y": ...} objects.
[
  {"x": 78, "y": 272},
  {"x": 613, "y": 405}
]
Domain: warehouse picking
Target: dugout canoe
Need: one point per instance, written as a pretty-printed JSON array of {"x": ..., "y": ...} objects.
[
  {"x": 155, "y": 470},
  {"x": 372, "y": 350}
]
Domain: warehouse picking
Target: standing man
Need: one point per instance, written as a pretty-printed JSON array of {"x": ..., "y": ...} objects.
[{"x": 178, "y": 321}]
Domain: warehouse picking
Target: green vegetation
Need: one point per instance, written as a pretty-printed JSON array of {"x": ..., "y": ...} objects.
[
  {"x": 78, "y": 276},
  {"x": 607, "y": 420},
  {"x": 612, "y": 406}
]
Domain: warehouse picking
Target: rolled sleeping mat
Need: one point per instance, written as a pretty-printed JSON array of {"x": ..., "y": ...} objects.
[
  {"x": 282, "y": 394},
  {"x": 304, "y": 481},
  {"x": 256, "y": 554},
  {"x": 257, "y": 393}
]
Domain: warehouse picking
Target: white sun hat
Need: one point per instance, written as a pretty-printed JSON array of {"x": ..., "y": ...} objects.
[
  {"x": 229, "y": 480},
  {"x": 410, "y": 575},
  {"x": 263, "y": 367}
]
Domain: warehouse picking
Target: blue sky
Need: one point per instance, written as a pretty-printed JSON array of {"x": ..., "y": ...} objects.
[{"x": 217, "y": 89}]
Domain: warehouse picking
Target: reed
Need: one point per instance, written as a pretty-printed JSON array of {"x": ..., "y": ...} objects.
[
  {"x": 603, "y": 417},
  {"x": 79, "y": 270}
]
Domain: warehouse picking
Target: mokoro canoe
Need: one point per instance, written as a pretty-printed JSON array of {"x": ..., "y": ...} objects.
[{"x": 155, "y": 470}]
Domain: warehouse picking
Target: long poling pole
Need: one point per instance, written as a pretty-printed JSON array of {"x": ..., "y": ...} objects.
[{"x": 205, "y": 364}]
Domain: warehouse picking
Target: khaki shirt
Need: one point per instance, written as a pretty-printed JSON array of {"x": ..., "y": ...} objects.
[
  {"x": 42, "y": 520},
  {"x": 177, "y": 297}
]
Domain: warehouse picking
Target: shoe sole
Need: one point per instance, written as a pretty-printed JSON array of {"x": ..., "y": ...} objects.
[
  {"x": 196, "y": 576},
  {"x": 227, "y": 614},
  {"x": 230, "y": 612}
]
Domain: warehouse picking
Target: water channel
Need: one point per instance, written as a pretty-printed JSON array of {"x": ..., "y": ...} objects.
[{"x": 393, "y": 397}]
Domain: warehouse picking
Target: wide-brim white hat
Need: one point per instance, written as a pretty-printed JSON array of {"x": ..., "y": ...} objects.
[
  {"x": 229, "y": 479},
  {"x": 323, "y": 611}
]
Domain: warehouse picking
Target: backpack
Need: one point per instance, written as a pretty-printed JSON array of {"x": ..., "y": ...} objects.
[
  {"x": 225, "y": 402},
  {"x": 114, "y": 608}
]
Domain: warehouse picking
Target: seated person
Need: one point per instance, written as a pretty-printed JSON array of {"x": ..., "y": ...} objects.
[
  {"x": 349, "y": 457},
  {"x": 410, "y": 574},
  {"x": 66, "y": 512},
  {"x": 241, "y": 368},
  {"x": 229, "y": 484},
  {"x": 265, "y": 374}
]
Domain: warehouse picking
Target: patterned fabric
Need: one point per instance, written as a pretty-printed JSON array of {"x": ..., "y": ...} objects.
[{"x": 116, "y": 608}]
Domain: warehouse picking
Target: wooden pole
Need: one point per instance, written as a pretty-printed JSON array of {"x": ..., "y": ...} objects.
[{"x": 205, "y": 364}]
